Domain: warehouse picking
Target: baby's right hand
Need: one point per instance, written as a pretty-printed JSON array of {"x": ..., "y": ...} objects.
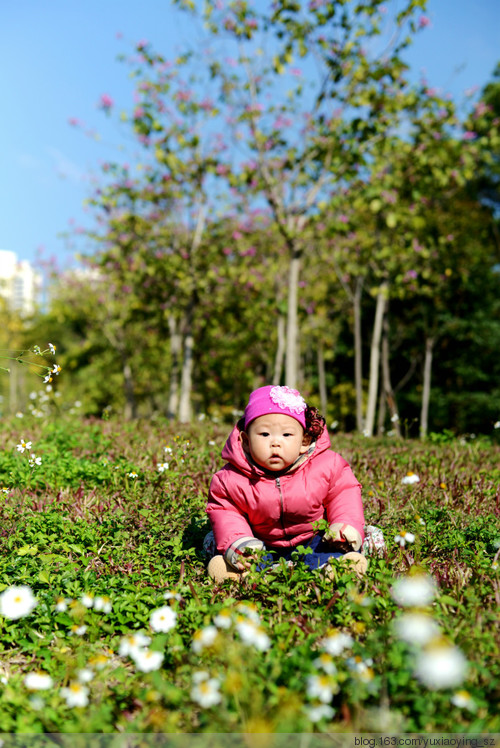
[
  {"x": 241, "y": 558},
  {"x": 246, "y": 560}
]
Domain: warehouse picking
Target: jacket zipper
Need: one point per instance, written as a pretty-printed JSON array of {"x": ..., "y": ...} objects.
[{"x": 282, "y": 519}]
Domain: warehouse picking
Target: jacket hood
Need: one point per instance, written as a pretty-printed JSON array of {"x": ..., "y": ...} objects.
[{"x": 233, "y": 453}]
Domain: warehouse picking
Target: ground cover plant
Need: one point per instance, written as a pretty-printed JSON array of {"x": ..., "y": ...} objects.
[{"x": 109, "y": 622}]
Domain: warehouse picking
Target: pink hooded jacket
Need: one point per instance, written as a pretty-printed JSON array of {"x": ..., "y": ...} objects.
[{"x": 247, "y": 501}]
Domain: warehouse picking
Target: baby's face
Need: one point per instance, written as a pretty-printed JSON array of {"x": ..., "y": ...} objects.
[{"x": 275, "y": 441}]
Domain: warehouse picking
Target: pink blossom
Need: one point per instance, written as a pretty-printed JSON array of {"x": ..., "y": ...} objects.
[
  {"x": 222, "y": 169},
  {"x": 296, "y": 71},
  {"x": 227, "y": 251},
  {"x": 450, "y": 238},
  {"x": 106, "y": 102},
  {"x": 481, "y": 108},
  {"x": 138, "y": 112},
  {"x": 142, "y": 44},
  {"x": 469, "y": 135},
  {"x": 424, "y": 21},
  {"x": 183, "y": 95},
  {"x": 237, "y": 235},
  {"x": 74, "y": 122},
  {"x": 343, "y": 218},
  {"x": 411, "y": 275}
]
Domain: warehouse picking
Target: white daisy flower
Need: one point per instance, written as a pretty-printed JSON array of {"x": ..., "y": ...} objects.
[
  {"x": 416, "y": 628},
  {"x": 463, "y": 700},
  {"x": 75, "y": 694},
  {"x": 78, "y": 630},
  {"x": 172, "y": 595},
  {"x": 17, "y": 602},
  {"x": 146, "y": 660},
  {"x": 162, "y": 467},
  {"x": 52, "y": 348},
  {"x": 325, "y": 662},
  {"x": 22, "y": 446},
  {"x": 103, "y": 604},
  {"x": 132, "y": 475},
  {"x": 253, "y": 635},
  {"x": 87, "y": 600},
  {"x": 404, "y": 537},
  {"x": 416, "y": 591},
  {"x": 441, "y": 665},
  {"x": 132, "y": 642},
  {"x": 223, "y": 620},
  {"x": 410, "y": 478},
  {"x": 205, "y": 690},
  {"x": 85, "y": 675},
  {"x": 321, "y": 687},
  {"x": 362, "y": 668},
  {"x": 319, "y": 712},
  {"x": 163, "y": 619},
  {"x": 204, "y": 638},
  {"x": 38, "y": 681},
  {"x": 250, "y": 611},
  {"x": 336, "y": 642}
]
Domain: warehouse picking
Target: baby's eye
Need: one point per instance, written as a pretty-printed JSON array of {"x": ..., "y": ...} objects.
[
  {"x": 287, "y": 434},
  {"x": 264, "y": 433}
]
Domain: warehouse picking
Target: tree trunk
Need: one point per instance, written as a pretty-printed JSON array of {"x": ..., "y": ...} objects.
[
  {"x": 388, "y": 392},
  {"x": 175, "y": 354},
  {"x": 280, "y": 350},
  {"x": 375, "y": 360},
  {"x": 130, "y": 409},
  {"x": 382, "y": 403},
  {"x": 292, "y": 321},
  {"x": 426, "y": 391},
  {"x": 322, "y": 380},
  {"x": 185, "y": 409},
  {"x": 358, "y": 353},
  {"x": 13, "y": 388}
]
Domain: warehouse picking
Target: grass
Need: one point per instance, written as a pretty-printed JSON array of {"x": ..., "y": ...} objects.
[{"x": 97, "y": 518}]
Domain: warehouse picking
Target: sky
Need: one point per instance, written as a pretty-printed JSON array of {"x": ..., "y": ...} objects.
[{"x": 57, "y": 57}]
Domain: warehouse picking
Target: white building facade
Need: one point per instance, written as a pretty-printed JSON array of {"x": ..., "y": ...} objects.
[{"x": 20, "y": 284}]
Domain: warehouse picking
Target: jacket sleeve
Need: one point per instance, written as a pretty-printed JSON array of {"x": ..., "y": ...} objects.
[
  {"x": 229, "y": 523},
  {"x": 343, "y": 502}
]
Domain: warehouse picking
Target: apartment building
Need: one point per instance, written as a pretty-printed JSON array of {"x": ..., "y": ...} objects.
[{"x": 20, "y": 283}]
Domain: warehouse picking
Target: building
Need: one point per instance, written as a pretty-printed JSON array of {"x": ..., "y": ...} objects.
[{"x": 20, "y": 284}]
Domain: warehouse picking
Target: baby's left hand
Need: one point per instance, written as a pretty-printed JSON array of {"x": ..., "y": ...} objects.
[{"x": 343, "y": 535}]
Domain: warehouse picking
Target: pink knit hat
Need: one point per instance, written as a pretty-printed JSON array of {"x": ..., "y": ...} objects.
[{"x": 270, "y": 399}]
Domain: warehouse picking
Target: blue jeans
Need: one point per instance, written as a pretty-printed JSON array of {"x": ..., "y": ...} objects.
[{"x": 320, "y": 553}]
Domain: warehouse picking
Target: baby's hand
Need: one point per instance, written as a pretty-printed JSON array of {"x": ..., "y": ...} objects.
[
  {"x": 342, "y": 536},
  {"x": 242, "y": 558},
  {"x": 246, "y": 560}
]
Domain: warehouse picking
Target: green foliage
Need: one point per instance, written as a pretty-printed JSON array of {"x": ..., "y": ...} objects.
[{"x": 104, "y": 534}]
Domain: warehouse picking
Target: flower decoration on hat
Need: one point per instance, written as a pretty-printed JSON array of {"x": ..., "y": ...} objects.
[{"x": 288, "y": 399}]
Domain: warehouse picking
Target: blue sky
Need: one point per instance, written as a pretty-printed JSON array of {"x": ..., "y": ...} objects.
[{"x": 57, "y": 57}]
